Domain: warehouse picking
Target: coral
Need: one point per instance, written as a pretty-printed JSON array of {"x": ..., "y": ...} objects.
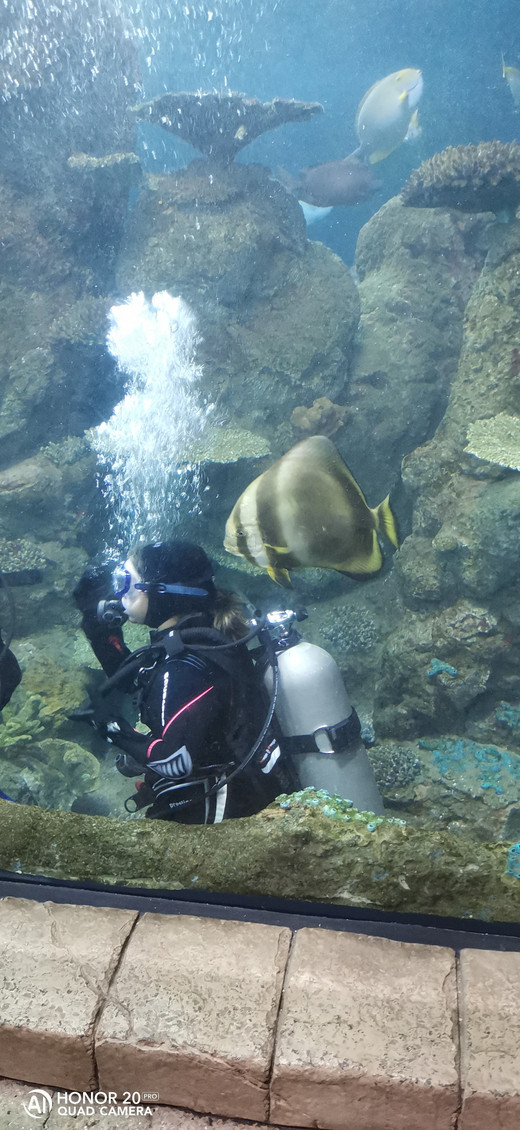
[
  {"x": 323, "y": 418},
  {"x": 508, "y": 715},
  {"x": 496, "y": 440},
  {"x": 438, "y": 668},
  {"x": 347, "y": 628},
  {"x": 228, "y": 445},
  {"x": 513, "y": 861},
  {"x": 474, "y": 178},
  {"x": 487, "y": 767},
  {"x": 394, "y": 766},
  {"x": 416, "y": 269},
  {"x": 220, "y": 125},
  {"x": 21, "y": 561},
  {"x": 50, "y": 773}
]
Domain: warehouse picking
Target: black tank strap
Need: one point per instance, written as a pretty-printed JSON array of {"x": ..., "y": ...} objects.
[{"x": 340, "y": 736}]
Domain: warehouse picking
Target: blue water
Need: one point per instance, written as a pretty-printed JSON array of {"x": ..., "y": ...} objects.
[
  {"x": 332, "y": 52},
  {"x": 67, "y": 247}
]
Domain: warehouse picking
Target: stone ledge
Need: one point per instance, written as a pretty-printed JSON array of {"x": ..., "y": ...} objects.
[
  {"x": 489, "y": 990},
  {"x": 191, "y": 1013},
  {"x": 56, "y": 962},
  {"x": 364, "y": 1035},
  {"x": 370, "y": 1024}
]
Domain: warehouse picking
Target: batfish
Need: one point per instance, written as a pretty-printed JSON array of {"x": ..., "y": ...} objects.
[
  {"x": 307, "y": 511},
  {"x": 346, "y": 182}
]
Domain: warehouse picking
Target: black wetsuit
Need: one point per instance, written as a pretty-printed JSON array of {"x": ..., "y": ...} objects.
[
  {"x": 10, "y": 674},
  {"x": 203, "y": 719}
]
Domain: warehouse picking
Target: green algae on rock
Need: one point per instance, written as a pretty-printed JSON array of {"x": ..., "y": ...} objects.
[{"x": 324, "y": 852}]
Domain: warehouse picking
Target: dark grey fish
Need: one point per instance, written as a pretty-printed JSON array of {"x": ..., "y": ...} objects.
[{"x": 346, "y": 182}]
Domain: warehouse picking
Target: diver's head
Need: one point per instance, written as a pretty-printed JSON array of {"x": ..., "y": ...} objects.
[{"x": 165, "y": 581}]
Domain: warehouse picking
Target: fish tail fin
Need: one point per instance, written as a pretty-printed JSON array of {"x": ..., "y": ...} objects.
[
  {"x": 366, "y": 563},
  {"x": 385, "y": 521},
  {"x": 286, "y": 179},
  {"x": 503, "y": 66}
]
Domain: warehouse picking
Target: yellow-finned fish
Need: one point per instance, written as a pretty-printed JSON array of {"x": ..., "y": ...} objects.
[
  {"x": 384, "y": 114},
  {"x": 512, "y": 77},
  {"x": 307, "y": 511}
]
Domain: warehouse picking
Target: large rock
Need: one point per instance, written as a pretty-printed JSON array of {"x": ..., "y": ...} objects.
[
  {"x": 56, "y": 377},
  {"x": 308, "y": 847},
  {"x": 67, "y": 75},
  {"x": 463, "y": 549},
  {"x": 416, "y": 269},
  {"x": 275, "y": 311}
]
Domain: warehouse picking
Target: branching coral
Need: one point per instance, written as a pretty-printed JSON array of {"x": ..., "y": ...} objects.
[{"x": 474, "y": 178}]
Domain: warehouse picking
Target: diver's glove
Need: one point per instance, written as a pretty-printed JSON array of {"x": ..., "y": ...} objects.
[
  {"x": 127, "y": 766},
  {"x": 95, "y": 584},
  {"x": 120, "y": 733}
]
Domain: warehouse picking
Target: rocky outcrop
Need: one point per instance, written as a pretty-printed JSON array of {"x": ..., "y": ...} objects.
[
  {"x": 277, "y": 312},
  {"x": 307, "y": 847},
  {"x": 461, "y": 558},
  {"x": 416, "y": 271}
]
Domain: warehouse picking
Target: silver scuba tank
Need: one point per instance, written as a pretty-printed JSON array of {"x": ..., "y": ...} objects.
[{"x": 322, "y": 729}]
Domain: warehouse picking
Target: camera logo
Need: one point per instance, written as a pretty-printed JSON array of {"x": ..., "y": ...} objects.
[{"x": 39, "y": 1103}]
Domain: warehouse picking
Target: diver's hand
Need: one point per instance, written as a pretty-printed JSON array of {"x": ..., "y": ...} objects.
[
  {"x": 95, "y": 584},
  {"x": 126, "y": 765},
  {"x": 120, "y": 733}
]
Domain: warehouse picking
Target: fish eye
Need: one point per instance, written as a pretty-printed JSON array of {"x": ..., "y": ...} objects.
[{"x": 239, "y": 532}]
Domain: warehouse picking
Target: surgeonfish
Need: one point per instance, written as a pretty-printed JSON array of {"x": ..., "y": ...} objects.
[
  {"x": 512, "y": 77},
  {"x": 345, "y": 182},
  {"x": 307, "y": 511},
  {"x": 384, "y": 114}
]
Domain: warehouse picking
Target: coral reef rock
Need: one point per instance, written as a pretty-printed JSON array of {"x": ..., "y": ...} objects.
[
  {"x": 278, "y": 312},
  {"x": 67, "y": 74},
  {"x": 457, "y": 785},
  {"x": 459, "y": 568},
  {"x": 416, "y": 271},
  {"x": 322, "y": 418},
  {"x": 474, "y": 178},
  {"x": 220, "y": 125}
]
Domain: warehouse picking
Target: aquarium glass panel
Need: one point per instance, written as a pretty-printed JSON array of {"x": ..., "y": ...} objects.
[{"x": 260, "y": 449}]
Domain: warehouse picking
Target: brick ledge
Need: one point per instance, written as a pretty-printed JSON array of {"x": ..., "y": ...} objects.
[{"x": 246, "y": 1021}]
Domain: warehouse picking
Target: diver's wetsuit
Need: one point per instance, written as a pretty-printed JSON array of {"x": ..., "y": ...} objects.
[
  {"x": 10, "y": 674},
  {"x": 197, "y": 713}
]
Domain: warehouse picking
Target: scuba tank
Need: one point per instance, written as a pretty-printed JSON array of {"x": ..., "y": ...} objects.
[{"x": 319, "y": 726}]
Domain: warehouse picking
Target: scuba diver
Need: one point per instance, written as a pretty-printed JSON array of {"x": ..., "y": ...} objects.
[
  {"x": 211, "y": 752},
  {"x": 10, "y": 673}
]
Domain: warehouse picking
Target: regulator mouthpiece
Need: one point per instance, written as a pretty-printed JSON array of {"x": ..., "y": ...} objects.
[{"x": 111, "y": 612}]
